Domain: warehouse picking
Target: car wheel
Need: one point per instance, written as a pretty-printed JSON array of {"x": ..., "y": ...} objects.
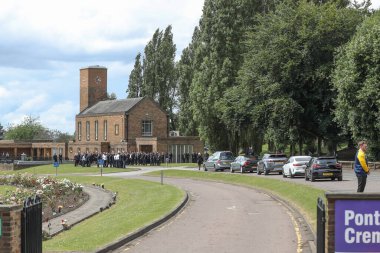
[
  {"x": 283, "y": 174},
  {"x": 290, "y": 174},
  {"x": 340, "y": 178},
  {"x": 241, "y": 169},
  {"x": 333, "y": 178},
  {"x": 266, "y": 172},
  {"x": 258, "y": 171},
  {"x": 232, "y": 171},
  {"x": 251, "y": 171}
]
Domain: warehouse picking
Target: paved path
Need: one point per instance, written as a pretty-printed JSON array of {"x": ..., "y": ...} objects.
[
  {"x": 99, "y": 199},
  {"x": 224, "y": 218}
]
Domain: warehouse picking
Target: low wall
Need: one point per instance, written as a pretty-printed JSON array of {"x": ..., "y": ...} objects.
[{"x": 350, "y": 165}]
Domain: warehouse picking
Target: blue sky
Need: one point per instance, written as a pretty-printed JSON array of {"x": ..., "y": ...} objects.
[{"x": 44, "y": 43}]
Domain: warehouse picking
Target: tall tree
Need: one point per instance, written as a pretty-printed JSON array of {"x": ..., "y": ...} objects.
[
  {"x": 185, "y": 73},
  {"x": 218, "y": 57},
  {"x": 135, "y": 79},
  {"x": 156, "y": 77},
  {"x": 356, "y": 79},
  {"x": 287, "y": 69}
]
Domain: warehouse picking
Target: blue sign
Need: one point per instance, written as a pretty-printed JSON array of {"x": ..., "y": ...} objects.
[
  {"x": 101, "y": 162},
  {"x": 56, "y": 164},
  {"x": 357, "y": 226}
]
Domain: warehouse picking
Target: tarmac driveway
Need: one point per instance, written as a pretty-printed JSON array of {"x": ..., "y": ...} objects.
[{"x": 226, "y": 218}]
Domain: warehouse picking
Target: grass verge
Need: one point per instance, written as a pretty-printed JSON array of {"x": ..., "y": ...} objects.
[
  {"x": 303, "y": 197},
  {"x": 67, "y": 169},
  {"x": 139, "y": 203}
]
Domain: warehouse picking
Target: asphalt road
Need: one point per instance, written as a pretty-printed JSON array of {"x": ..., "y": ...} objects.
[
  {"x": 349, "y": 183},
  {"x": 225, "y": 218},
  {"x": 222, "y": 218}
]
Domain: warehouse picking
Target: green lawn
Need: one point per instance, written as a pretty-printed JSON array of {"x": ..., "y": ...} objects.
[
  {"x": 139, "y": 203},
  {"x": 67, "y": 169},
  {"x": 303, "y": 197}
]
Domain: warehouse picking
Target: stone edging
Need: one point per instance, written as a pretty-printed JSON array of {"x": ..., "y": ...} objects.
[
  {"x": 144, "y": 230},
  {"x": 57, "y": 220}
]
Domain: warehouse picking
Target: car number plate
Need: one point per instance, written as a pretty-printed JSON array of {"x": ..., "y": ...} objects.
[
  {"x": 279, "y": 163},
  {"x": 328, "y": 174}
]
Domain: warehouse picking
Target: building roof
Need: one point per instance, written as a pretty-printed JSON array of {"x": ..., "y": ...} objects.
[{"x": 111, "y": 106}]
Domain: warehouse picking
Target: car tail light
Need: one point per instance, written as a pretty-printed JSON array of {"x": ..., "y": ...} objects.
[
  {"x": 218, "y": 161},
  {"x": 246, "y": 163},
  {"x": 316, "y": 166},
  {"x": 297, "y": 164},
  {"x": 338, "y": 166}
]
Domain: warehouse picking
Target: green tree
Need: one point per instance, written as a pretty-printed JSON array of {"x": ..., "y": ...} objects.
[
  {"x": 218, "y": 57},
  {"x": 29, "y": 129},
  {"x": 158, "y": 72},
  {"x": 287, "y": 70},
  {"x": 135, "y": 79},
  {"x": 185, "y": 73},
  {"x": 356, "y": 79}
]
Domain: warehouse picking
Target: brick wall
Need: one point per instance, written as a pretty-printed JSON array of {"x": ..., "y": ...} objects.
[
  {"x": 147, "y": 109},
  {"x": 92, "y": 89},
  {"x": 10, "y": 241},
  {"x": 112, "y": 121}
]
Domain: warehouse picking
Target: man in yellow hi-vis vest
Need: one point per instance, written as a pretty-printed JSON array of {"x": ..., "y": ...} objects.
[{"x": 361, "y": 165}]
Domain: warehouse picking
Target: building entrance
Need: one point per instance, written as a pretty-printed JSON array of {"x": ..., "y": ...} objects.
[{"x": 146, "y": 148}]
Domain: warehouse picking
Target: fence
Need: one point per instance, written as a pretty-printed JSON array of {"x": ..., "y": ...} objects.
[{"x": 31, "y": 226}]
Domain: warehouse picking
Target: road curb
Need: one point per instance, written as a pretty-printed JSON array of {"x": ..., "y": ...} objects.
[{"x": 144, "y": 230}]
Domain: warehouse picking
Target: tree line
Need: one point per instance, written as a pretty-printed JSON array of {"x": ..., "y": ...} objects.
[{"x": 290, "y": 73}]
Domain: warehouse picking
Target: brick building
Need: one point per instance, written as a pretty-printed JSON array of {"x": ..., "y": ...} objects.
[{"x": 124, "y": 125}]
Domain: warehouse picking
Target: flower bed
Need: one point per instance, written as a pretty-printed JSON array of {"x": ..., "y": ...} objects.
[{"x": 58, "y": 195}]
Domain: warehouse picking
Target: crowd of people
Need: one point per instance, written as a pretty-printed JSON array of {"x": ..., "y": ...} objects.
[{"x": 123, "y": 159}]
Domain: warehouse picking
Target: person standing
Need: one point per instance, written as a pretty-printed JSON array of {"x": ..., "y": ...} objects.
[
  {"x": 199, "y": 161},
  {"x": 361, "y": 165}
]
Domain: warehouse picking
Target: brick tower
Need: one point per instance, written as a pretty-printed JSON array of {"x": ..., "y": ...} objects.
[{"x": 93, "y": 86}]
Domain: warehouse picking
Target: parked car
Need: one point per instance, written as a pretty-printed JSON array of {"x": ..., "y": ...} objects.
[
  {"x": 271, "y": 163},
  {"x": 220, "y": 160},
  {"x": 244, "y": 163},
  {"x": 295, "y": 166},
  {"x": 323, "y": 167}
]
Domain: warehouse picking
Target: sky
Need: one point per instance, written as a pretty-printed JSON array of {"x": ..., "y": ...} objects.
[{"x": 44, "y": 43}]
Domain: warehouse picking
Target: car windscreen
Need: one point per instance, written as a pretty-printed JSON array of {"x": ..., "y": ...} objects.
[
  {"x": 226, "y": 156},
  {"x": 326, "y": 161},
  {"x": 277, "y": 156},
  {"x": 303, "y": 159}
]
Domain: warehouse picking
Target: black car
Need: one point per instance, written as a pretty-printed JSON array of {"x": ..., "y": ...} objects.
[{"x": 323, "y": 167}]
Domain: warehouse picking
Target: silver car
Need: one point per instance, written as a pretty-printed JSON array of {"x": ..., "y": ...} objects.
[
  {"x": 220, "y": 160},
  {"x": 271, "y": 163}
]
